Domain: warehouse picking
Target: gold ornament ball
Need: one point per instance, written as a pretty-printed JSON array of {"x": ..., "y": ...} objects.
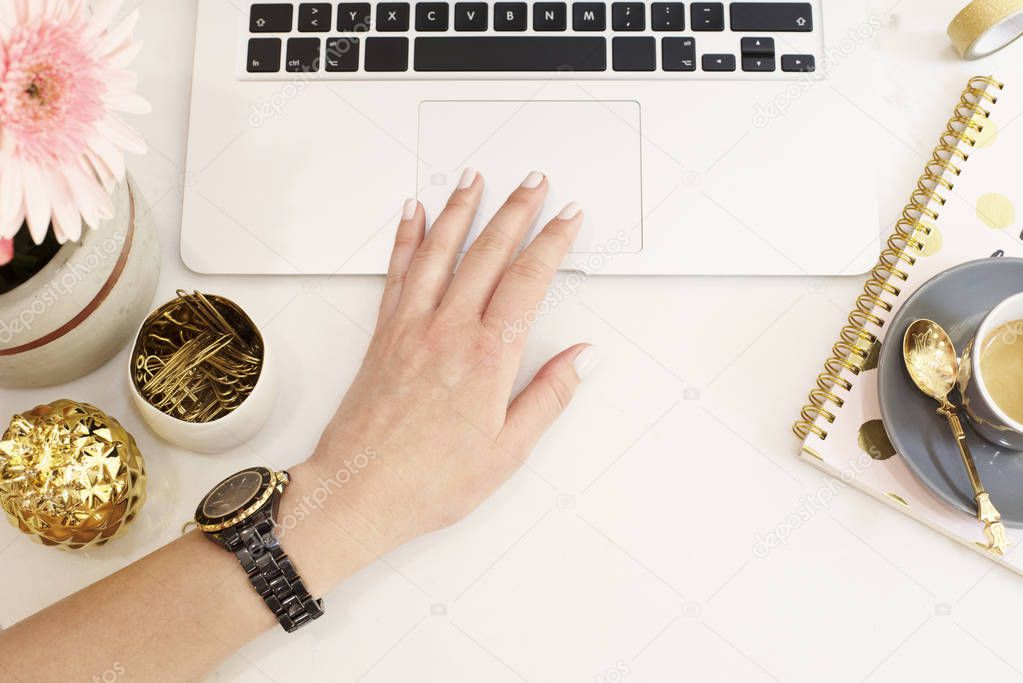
[{"x": 70, "y": 475}]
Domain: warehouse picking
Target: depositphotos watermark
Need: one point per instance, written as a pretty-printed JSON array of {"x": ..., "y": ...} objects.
[
  {"x": 566, "y": 287},
  {"x": 111, "y": 675},
  {"x": 62, "y": 285},
  {"x": 809, "y": 506},
  {"x": 620, "y": 670},
  {"x": 779, "y": 106},
  {"x": 325, "y": 488}
]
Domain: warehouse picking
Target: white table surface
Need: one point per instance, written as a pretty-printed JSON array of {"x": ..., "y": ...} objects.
[{"x": 629, "y": 543}]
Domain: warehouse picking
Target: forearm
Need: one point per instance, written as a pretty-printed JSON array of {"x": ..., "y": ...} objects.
[{"x": 178, "y": 612}]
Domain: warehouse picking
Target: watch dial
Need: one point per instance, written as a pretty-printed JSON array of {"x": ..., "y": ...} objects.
[{"x": 232, "y": 495}]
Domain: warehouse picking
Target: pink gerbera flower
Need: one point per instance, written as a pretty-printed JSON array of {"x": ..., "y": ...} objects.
[{"x": 63, "y": 79}]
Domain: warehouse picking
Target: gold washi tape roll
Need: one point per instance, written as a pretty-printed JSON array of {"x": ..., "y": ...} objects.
[{"x": 986, "y": 26}]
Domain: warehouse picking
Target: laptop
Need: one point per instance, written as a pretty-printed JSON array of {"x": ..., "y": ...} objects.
[{"x": 700, "y": 137}]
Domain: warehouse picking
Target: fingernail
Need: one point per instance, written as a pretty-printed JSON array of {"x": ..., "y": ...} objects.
[
  {"x": 570, "y": 211},
  {"x": 408, "y": 212},
  {"x": 532, "y": 180},
  {"x": 584, "y": 363},
  {"x": 468, "y": 178}
]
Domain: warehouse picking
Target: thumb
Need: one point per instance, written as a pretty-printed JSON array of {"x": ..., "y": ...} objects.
[{"x": 543, "y": 400}]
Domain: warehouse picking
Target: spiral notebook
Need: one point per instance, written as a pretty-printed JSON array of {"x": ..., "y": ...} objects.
[{"x": 963, "y": 207}]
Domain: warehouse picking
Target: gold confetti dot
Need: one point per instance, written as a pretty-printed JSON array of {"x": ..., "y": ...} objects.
[
  {"x": 873, "y": 354},
  {"x": 897, "y": 498},
  {"x": 874, "y": 440},
  {"x": 996, "y": 210},
  {"x": 988, "y": 133},
  {"x": 932, "y": 243}
]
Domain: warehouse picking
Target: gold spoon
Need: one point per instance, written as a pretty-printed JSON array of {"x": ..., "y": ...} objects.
[{"x": 932, "y": 363}]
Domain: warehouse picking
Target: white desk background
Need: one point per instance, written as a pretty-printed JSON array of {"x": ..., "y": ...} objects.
[{"x": 628, "y": 550}]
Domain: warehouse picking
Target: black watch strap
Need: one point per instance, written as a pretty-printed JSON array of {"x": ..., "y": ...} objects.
[{"x": 271, "y": 572}]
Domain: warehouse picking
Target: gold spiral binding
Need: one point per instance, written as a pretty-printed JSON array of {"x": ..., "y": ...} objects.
[{"x": 904, "y": 245}]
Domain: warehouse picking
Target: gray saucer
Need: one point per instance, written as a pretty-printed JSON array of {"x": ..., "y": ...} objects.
[{"x": 958, "y": 299}]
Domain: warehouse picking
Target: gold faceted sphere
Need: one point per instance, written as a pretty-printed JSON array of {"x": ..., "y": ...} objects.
[{"x": 70, "y": 475}]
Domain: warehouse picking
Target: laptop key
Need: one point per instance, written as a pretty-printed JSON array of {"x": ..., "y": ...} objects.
[
  {"x": 303, "y": 55},
  {"x": 707, "y": 16},
  {"x": 667, "y": 16},
  {"x": 758, "y": 47},
  {"x": 511, "y": 53},
  {"x": 550, "y": 16},
  {"x": 431, "y": 16},
  {"x": 470, "y": 16},
  {"x": 314, "y": 17},
  {"x": 628, "y": 16},
  {"x": 771, "y": 16},
  {"x": 342, "y": 54},
  {"x": 713, "y": 62},
  {"x": 354, "y": 17},
  {"x": 386, "y": 54},
  {"x": 803, "y": 63},
  {"x": 510, "y": 16},
  {"x": 264, "y": 56},
  {"x": 589, "y": 16},
  {"x": 634, "y": 54},
  {"x": 275, "y": 18},
  {"x": 757, "y": 63},
  {"x": 392, "y": 16},
  {"x": 678, "y": 54}
]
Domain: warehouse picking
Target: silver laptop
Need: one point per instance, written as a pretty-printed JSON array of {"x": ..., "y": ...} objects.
[{"x": 700, "y": 137}]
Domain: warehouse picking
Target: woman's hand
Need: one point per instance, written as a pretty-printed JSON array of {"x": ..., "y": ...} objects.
[{"x": 426, "y": 431}]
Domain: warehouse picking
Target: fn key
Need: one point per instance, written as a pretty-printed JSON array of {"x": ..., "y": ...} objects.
[{"x": 264, "y": 56}]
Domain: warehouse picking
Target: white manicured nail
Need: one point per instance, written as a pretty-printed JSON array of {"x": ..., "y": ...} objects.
[
  {"x": 584, "y": 363},
  {"x": 532, "y": 180},
  {"x": 408, "y": 212},
  {"x": 468, "y": 178},
  {"x": 570, "y": 211}
]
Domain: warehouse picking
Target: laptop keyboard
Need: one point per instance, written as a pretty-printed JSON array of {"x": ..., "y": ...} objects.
[{"x": 766, "y": 39}]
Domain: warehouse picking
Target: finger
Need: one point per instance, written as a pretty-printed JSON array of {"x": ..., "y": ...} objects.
[
  {"x": 406, "y": 242},
  {"x": 543, "y": 400},
  {"x": 526, "y": 281},
  {"x": 430, "y": 272},
  {"x": 488, "y": 258}
]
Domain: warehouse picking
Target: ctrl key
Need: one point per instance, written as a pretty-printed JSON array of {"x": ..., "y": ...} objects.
[{"x": 264, "y": 56}]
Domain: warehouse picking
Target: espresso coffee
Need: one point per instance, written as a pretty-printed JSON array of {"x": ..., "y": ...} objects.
[{"x": 1001, "y": 367}]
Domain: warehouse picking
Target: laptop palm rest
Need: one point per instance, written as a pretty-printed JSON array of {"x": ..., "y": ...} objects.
[{"x": 590, "y": 151}]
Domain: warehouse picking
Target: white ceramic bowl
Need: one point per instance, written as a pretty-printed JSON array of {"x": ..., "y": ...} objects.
[
  {"x": 225, "y": 433},
  {"x": 81, "y": 308}
]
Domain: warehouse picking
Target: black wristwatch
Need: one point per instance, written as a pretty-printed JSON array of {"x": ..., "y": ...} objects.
[{"x": 239, "y": 515}]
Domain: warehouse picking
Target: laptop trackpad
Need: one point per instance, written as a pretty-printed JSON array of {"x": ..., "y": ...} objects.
[{"x": 589, "y": 150}]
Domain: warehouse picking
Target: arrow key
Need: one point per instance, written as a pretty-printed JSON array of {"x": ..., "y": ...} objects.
[
  {"x": 712, "y": 62},
  {"x": 314, "y": 17},
  {"x": 758, "y": 47},
  {"x": 801, "y": 63},
  {"x": 757, "y": 63}
]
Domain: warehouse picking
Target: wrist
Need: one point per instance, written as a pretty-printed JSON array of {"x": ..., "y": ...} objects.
[{"x": 331, "y": 523}]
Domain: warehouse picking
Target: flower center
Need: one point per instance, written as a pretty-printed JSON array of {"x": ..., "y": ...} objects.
[{"x": 51, "y": 95}]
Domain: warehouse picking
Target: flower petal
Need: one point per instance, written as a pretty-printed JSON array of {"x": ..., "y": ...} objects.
[
  {"x": 6, "y": 251},
  {"x": 37, "y": 204}
]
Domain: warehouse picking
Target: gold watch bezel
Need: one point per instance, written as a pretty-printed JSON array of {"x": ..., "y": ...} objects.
[{"x": 278, "y": 480}]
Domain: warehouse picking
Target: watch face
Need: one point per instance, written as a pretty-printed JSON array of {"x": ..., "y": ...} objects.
[{"x": 232, "y": 494}]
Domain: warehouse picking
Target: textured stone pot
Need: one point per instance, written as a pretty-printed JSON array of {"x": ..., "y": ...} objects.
[{"x": 85, "y": 304}]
